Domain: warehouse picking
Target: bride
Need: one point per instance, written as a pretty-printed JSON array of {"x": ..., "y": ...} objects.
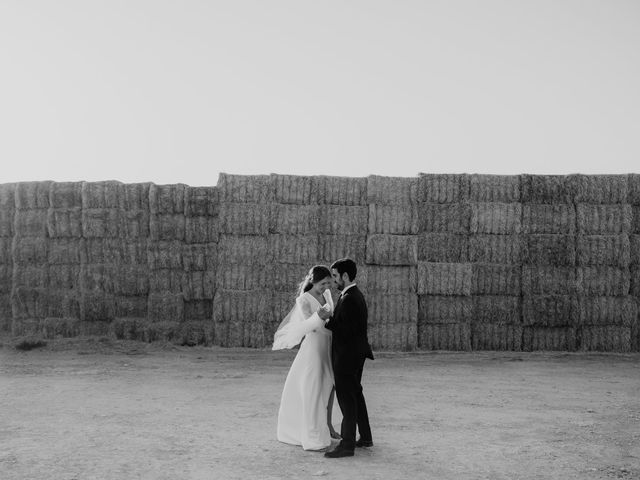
[{"x": 305, "y": 411}]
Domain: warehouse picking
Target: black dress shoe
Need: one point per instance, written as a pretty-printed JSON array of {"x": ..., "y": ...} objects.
[
  {"x": 339, "y": 453},
  {"x": 364, "y": 443}
]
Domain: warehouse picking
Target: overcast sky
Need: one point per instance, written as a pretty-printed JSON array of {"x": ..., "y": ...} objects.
[{"x": 178, "y": 91}]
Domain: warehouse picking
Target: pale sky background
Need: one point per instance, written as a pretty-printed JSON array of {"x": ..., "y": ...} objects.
[{"x": 178, "y": 91}]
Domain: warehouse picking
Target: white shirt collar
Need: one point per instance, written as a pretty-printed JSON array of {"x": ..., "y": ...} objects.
[{"x": 345, "y": 290}]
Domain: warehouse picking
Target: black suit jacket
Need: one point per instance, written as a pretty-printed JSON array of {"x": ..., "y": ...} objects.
[{"x": 349, "y": 344}]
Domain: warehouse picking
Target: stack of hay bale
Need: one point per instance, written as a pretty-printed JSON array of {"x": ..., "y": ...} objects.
[
  {"x": 495, "y": 245},
  {"x": 30, "y": 297},
  {"x": 199, "y": 261},
  {"x": 444, "y": 271},
  {"x": 634, "y": 200},
  {"x": 244, "y": 288},
  {"x": 165, "y": 308},
  {"x": 390, "y": 278},
  {"x": 549, "y": 286},
  {"x": 604, "y": 220},
  {"x": 7, "y": 211},
  {"x": 64, "y": 225}
]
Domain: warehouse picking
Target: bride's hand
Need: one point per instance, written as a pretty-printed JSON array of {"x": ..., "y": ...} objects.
[{"x": 324, "y": 314}]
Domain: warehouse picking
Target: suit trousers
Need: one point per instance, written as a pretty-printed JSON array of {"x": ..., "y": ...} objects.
[{"x": 353, "y": 406}]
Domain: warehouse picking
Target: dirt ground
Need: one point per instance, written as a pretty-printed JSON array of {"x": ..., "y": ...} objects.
[{"x": 101, "y": 409}]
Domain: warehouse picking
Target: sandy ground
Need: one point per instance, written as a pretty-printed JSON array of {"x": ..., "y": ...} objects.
[{"x": 96, "y": 408}]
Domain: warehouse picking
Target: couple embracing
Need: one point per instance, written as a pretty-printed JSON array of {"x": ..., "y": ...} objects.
[{"x": 330, "y": 361}]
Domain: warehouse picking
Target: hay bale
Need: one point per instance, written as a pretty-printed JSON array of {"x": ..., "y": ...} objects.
[
  {"x": 444, "y": 218},
  {"x": 167, "y": 331},
  {"x": 65, "y": 195},
  {"x": 167, "y": 199},
  {"x": 101, "y": 223},
  {"x": 443, "y": 188},
  {"x": 64, "y": 277},
  {"x": 199, "y": 257},
  {"x": 296, "y": 249},
  {"x": 497, "y": 309},
  {"x": 134, "y": 224},
  {"x": 396, "y": 337},
  {"x": 133, "y": 279},
  {"x": 603, "y": 280},
  {"x": 6, "y": 316},
  {"x": 489, "y": 336},
  {"x": 32, "y": 195},
  {"x": 443, "y": 247},
  {"x": 244, "y": 249},
  {"x": 53, "y": 327},
  {"x": 546, "y": 189},
  {"x": 195, "y": 332},
  {"x": 165, "y": 307},
  {"x": 201, "y": 230},
  {"x": 494, "y": 188},
  {"x": 281, "y": 277},
  {"x": 388, "y": 279},
  {"x": 635, "y": 221},
  {"x": 235, "y": 313},
  {"x": 633, "y": 189},
  {"x": 30, "y": 223},
  {"x": 164, "y": 227},
  {"x": 621, "y": 311},
  {"x": 249, "y": 218},
  {"x": 198, "y": 285},
  {"x": 333, "y": 247},
  {"x": 444, "y": 278},
  {"x": 165, "y": 255},
  {"x": 498, "y": 218},
  {"x": 286, "y": 219},
  {"x": 599, "y": 189},
  {"x": 556, "y": 218},
  {"x": 198, "y": 310},
  {"x": 135, "y": 196},
  {"x": 128, "y": 327},
  {"x": 495, "y": 279},
  {"x": 383, "y": 249},
  {"x": 549, "y": 249},
  {"x": 38, "y": 303},
  {"x": 119, "y": 251},
  {"x": 605, "y": 339},
  {"x": 7, "y": 196},
  {"x": 64, "y": 222},
  {"x": 294, "y": 189},
  {"x": 549, "y": 339},
  {"x": 343, "y": 220},
  {"x": 614, "y": 250},
  {"x": 549, "y": 280},
  {"x": 394, "y": 219},
  {"x": 604, "y": 219},
  {"x": 29, "y": 251},
  {"x": 341, "y": 190},
  {"x": 6, "y": 278},
  {"x": 166, "y": 281},
  {"x": 455, "y": 337},
  {"x": 392, "y": 308},
  {"x": 131, "y": 306},
  {"x": 202, "y": 201},
  {"x": 391, "y": 190},
  {"x": 505, "y": 249},
  {"x": 6, "y": 258},
  {"x": 98, "y": 278},
  {"x": 101, "y": 195},
  {"x": 550, "y": 310},
  {"x": 29, "y": 276},
  {"x": 442, "y": 309},
  {"x": 245, "y": 188},
  {"x": 6, "y": 222},
  {"x": 634, "y": 285}
]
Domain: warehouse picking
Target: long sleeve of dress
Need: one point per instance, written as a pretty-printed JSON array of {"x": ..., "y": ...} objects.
[{"x": 301, "y": 320}]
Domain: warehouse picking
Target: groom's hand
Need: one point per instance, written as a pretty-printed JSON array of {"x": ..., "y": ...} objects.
[{"x": 324, "y": 314}]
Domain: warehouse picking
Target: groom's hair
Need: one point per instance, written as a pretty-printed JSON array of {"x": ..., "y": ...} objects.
[{"x": 346, "y": 265}]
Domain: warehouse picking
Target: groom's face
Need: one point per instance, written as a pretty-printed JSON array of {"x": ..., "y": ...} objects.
[{"x": 337, "y": 279}]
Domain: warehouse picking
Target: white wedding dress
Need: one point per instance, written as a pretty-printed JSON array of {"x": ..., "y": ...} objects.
[{"x": 302, "y": 418}]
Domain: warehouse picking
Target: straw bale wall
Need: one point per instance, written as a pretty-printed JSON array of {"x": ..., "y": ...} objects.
[{"x": 447, "y": 262}]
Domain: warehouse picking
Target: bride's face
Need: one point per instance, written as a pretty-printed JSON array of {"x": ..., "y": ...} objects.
[{"x": 322, "y": 285}]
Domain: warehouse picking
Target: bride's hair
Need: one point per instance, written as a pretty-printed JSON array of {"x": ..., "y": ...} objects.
[{"x": 316, "y": 274}]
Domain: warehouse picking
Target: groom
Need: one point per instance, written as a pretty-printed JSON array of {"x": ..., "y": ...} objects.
[{"x": 349, "y": 349}]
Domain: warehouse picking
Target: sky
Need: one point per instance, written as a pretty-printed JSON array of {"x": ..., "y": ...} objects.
[{"x": 179, "y": 91}]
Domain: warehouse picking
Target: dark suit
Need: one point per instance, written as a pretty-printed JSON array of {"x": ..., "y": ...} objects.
[{"x": 349, "y": 349}]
